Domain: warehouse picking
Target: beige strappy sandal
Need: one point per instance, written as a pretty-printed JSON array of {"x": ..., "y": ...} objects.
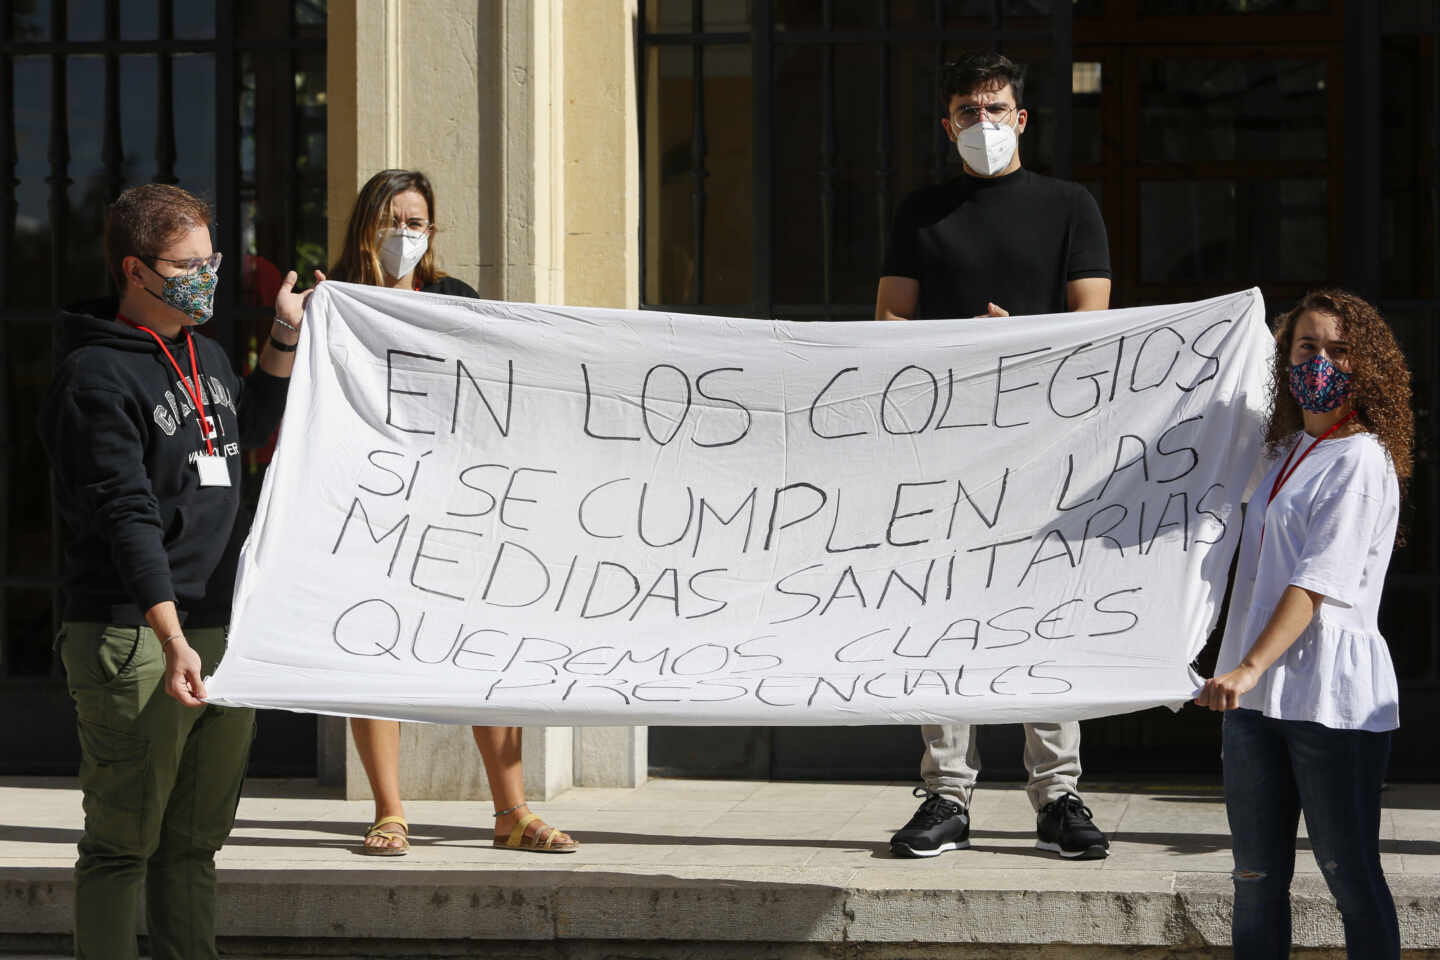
[
  {"x": 541, "y": 841},
  {"x": 377, "y": 829}
]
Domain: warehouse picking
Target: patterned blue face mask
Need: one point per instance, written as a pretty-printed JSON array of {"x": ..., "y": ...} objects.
[
  {"x": 193, "y": 293},
  {"x": 1318, "y": 385}
]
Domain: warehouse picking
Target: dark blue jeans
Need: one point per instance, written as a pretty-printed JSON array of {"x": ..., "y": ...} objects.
[{"x": 1274, "y": 770}]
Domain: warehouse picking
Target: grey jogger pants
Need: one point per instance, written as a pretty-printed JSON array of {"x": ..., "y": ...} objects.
[{"x": 1052, "y": 758}]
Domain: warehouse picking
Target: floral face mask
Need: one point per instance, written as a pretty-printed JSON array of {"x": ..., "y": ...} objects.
[
  {"x": 193, "y": 294},
  {"x": 1318, "y": 385}
]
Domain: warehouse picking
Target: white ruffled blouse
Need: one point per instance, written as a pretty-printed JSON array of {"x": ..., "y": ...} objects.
[{"x": 1330, "y": 530}]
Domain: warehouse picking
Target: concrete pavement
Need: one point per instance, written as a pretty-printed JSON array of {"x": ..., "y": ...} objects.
[{"x": 752, "y": 868}]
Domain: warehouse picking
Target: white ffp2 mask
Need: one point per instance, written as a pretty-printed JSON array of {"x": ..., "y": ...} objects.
[
  {"x": 987, "y": 148},
  {"x": 401, "y": 250}
]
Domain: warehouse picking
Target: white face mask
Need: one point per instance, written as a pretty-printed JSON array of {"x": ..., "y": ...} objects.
[
  {"x": 987, "y": 148},
  {"x": 401, "y": 250}
]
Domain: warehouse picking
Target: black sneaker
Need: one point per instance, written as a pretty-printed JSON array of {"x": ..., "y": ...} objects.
[
  {"x": 939, "y": 824},
  {"x": 1065, "y": 827}
]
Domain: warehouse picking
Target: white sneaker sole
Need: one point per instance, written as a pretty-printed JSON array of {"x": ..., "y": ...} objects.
[
  {"x": 905, "y": 850},
  {"x": 1096, "y": 852}
]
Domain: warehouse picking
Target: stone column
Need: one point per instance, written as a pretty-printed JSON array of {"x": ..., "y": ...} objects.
[
  {"x": 602, "y": 252},
  {"x": 503, "y": 104},
  {"x": 362, "y": 109}
]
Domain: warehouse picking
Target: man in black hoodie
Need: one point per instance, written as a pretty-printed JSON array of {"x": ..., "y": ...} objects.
[{"x": 143, "y": 424}]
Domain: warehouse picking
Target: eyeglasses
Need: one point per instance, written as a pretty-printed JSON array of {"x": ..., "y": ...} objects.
[
  {"x": 970, "y": 115},
  {"x": 191, "y": 264},
  {"x": 413, "y": 225}
]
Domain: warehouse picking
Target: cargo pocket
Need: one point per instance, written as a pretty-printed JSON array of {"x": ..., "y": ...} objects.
[
  {"x": 115, "y": 778},
  {"x": 117, "y": 651},
  {"x": 220, "y": 776}
]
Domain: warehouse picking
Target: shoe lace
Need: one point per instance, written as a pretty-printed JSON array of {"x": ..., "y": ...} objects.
[
  {"x": 1073, "y": 806},
  {"x": 935, "y": 809}
]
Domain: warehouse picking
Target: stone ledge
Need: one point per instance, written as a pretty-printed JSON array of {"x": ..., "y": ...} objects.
[
  {"x": 705, "y": 870},
  {"x": 787, "y": 905}
]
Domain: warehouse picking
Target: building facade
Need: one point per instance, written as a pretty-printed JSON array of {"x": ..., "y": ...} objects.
[{"x": 725, "y": 157}]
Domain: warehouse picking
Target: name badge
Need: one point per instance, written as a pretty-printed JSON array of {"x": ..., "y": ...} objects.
[{"x": 214, "y": 472}]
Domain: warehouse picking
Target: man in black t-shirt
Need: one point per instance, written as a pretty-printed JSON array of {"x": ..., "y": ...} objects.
[{"x": 997, "y": 240}]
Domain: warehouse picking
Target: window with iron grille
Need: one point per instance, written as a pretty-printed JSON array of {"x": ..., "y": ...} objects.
[
  {"x": 1287, "y": 144},
  {"x": 226, "y": 99},
  {"x": 778, "y": 136}
]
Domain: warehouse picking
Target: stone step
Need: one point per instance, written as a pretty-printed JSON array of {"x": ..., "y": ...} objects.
[
  {"x": 705, "y": 870},
  {"x": 774, "y": 906}
]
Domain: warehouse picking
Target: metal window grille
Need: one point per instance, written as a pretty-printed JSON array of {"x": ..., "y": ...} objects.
[{"x": 1040, "y": 28}]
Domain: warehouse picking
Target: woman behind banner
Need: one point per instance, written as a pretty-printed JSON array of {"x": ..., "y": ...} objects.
[
  {"x": 388, "y": 243},
  {"x": 1303, "y": 670}
]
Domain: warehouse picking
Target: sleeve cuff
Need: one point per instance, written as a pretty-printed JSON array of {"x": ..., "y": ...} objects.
[
  {"x": 151, "y": 589},
  {"x": 262, "y": 405},
  {"x": 262, "y": 381},
  {"x": 1327, "y": 590}
]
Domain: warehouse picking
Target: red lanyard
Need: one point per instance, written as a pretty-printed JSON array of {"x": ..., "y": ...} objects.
[
  {"x": 1283, "y": 476},
  {"x": 193, "y": 391}
]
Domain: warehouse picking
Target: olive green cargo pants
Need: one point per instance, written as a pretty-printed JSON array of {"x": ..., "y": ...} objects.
[{"x": 160, "y": 782}]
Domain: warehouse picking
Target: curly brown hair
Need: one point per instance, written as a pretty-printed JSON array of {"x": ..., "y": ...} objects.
[{"x": 1379, "y": 377}]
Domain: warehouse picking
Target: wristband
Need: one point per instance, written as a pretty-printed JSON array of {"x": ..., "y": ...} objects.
[
  {"x": 166, "y": 642},
  {"x": 282, "y": 347},
  {"x": 288, "y": 326}
]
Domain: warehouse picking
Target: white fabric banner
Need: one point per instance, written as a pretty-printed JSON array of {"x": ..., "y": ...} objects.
[{"x": 506, "y": 513}]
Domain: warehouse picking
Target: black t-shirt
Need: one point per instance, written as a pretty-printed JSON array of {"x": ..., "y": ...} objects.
[
  {"x": 1014, "y": 241},
  {"x": 451, "y": 287}
]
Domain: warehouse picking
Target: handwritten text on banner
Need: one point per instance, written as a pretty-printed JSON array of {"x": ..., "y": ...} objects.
[{"x": 499, "y": 513}]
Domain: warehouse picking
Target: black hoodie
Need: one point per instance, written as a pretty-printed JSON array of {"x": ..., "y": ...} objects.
[{"x": 122, "y": 433}]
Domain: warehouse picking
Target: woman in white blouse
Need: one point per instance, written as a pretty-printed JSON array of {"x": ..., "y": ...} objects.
[{"x": 1303, "y": 670}]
